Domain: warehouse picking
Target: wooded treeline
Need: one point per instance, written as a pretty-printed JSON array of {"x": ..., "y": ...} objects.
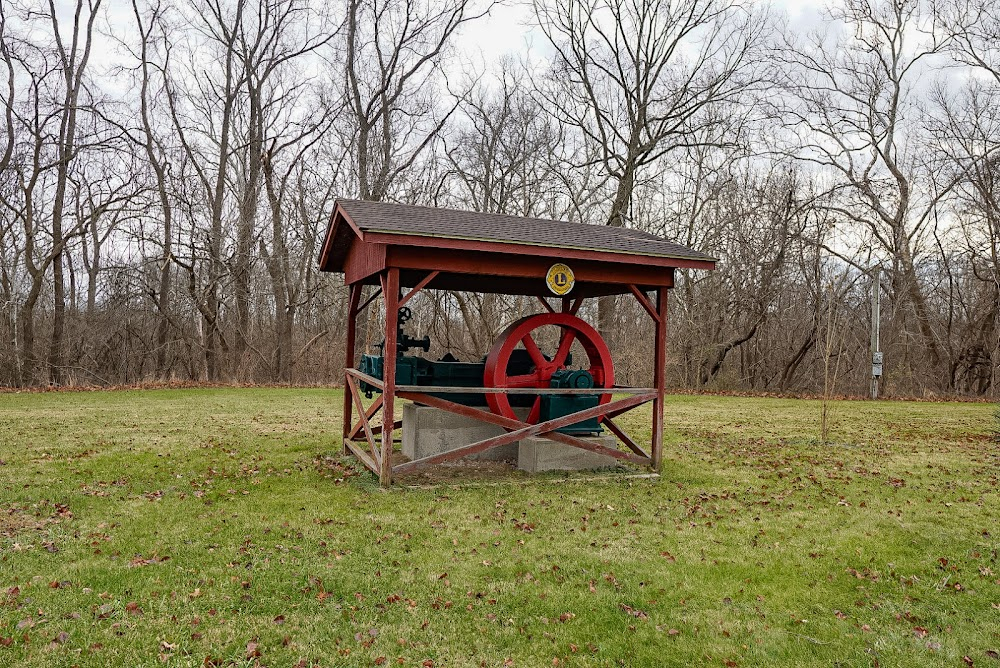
[{"x": 168, "y": 168}]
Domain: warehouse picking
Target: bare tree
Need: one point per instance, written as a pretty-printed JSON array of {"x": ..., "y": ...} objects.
[
  {"x": 395, "y": 53},
  {"x": 158, "y": 161},
  {"x": 850, "y": 105},
  {"x": 73, "y": 51},
  {"x": 973, "y": 27},
  {"x": 52, "y": 61},
  {"x": 967, "y": 139},
  {"x": 639, "y": 79}
]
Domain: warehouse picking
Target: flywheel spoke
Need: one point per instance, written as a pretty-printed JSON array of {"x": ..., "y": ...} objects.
[
  {"x": 533, "y": 350},
  {"x": 565, "y": 343},
  {"x": 519, "y": 333},
  {"x": 535, "y": 411}
]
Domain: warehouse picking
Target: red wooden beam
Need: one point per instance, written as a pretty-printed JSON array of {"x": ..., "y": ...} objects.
[
  {"x": 544, "y": 302},
  {"x": 623, "y": 437},
  {"x": 544, "y": 254},
  {"x": 352, "y": 331},
  {"x": 369, "y": 414},
  {"x": 356, "y": 394},
  {"x": 371, "y": 380},
  {"x": 615, "y": 413},
  {"x": 418, "y": 287},
  {"x": 390, "y": 289},
  {"x": 377, "y": 429},
  {"x": 368, "y": 301},
  {"x": 603, "y": 268},
  {"x": 363, "y": 260},
  {"x": 659, "y": 376},
  {"x": 362, "y": 456},
  {"x": 523, "y": 430},
  {"x": 644, "y": 301}
]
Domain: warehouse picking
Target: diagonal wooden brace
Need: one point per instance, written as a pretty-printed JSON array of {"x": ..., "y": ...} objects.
[
  {"x": 363, "y": 456},
  {"x": 644, "y": 301},
  {"x": 369, "y": 414},
  {"x": 356, "y": 393},
  {"x": 375, "y": 295},
  {"x": 521, "y": 430},
  {"x": 623, "y": 437},
  {"x": 417, "y": 288},
  {"x": 371, "y": 380}
]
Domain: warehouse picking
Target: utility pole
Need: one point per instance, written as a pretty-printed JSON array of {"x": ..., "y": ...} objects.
[{"x": 876, "y": 347}]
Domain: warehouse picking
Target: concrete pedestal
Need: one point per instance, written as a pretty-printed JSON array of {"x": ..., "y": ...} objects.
[
  {"x": 540, "y": 454},
  {"x": 429, "y": 431}
]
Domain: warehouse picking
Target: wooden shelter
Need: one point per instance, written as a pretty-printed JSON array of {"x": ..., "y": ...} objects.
[{"x": 395, "y": 246}]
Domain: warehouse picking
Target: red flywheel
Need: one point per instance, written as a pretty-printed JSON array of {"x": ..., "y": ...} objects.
[{"x": 521, "y": 332}]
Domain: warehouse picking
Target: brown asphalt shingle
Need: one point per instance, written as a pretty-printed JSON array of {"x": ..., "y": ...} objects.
[{"x": 454, "y": 224}]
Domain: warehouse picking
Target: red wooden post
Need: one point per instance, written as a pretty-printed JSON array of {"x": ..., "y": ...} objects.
[
  {"x": 391, "y": 297},
  {"x": 659, "y": 376},
  {"x": 352, "y": 330}
]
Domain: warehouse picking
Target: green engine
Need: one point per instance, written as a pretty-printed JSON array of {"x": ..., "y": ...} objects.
[{"x": 449, "y": 372}]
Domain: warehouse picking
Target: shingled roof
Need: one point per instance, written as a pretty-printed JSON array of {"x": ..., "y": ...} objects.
[{"x": 422, "y": 221}]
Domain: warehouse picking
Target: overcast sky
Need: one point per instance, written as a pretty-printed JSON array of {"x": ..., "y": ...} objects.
[{"x": 508, "y": 30}]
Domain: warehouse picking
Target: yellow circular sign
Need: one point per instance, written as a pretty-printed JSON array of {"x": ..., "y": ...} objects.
[{"x": 560, "y": 279}]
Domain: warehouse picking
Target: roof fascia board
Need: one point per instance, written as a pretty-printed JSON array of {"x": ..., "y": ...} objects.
[
  {"x": 331, "y": 233},
  {"x": 350, "y": 221},
  {"x": 393, "y": 239}
]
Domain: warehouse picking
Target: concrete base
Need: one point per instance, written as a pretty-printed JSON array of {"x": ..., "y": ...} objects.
[
  {"x": 540, "y": 454},
  {"x": 429, "y": 431}
]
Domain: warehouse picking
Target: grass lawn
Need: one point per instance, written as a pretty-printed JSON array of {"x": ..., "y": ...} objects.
[{"x": 219, "y": 527}]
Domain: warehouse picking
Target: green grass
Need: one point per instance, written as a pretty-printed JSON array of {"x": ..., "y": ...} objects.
[{"x": 186, "y": 527}]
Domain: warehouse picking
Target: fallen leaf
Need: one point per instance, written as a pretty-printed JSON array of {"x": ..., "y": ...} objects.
[
  {"x": 635, "y": 612},
  {"x": 253, "y": 650}
]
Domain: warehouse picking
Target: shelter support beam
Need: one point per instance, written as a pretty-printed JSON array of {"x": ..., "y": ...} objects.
[
  {"x": 356, "y": 394},
  {"x": 352, "y": 332},
  {"x": 659, "y": 376},
  {"x": 375, "y": 295},
  {"x": 623, "y": 437},
  {"x": 546, "y": 305},
  {"x": 418, "y": 287},
  {"x": 519, "y": 430},
  {"x": 644, "y": 301},
  {"x": 390, "y": 290},
  {"x": 363, "y": 456}
]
